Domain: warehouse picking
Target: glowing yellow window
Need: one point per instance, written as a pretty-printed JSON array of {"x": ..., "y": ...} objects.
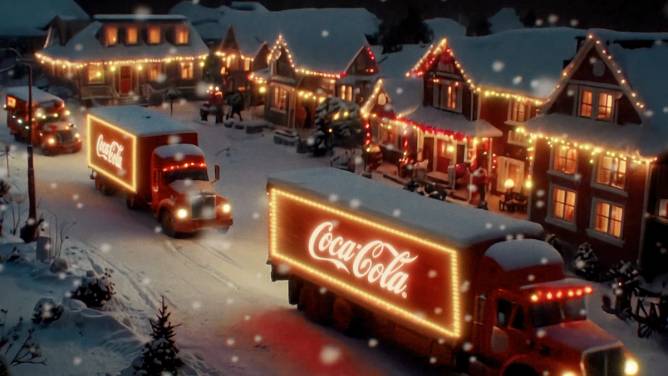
[
  {"x": 153, "y": 35},
  {"x": 110, "y": 35},
  {"x": 586, "y": 103},
  {"x": 604, "y": 106},
  {"x": 565, "y": 159},
  {"x": 181, "y": 35},
  {"x": 563, "y": 204},
  {"x": 609, "y": 219},
  {"x": 131, "y": 35}
]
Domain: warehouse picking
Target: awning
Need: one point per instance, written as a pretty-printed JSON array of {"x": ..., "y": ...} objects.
[{"x": 452, "y": 122}]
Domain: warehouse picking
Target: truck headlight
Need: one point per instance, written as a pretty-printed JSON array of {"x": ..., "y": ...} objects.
[
  {"x": 631, "y": 367},
  {"x": 182, "y": 213},
  {"x": 51, "y": 141},
  {"x": 226, "y": 208},
  {"x": 568, "y": 373}
]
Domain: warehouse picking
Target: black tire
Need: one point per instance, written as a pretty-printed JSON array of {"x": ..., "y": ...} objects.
[{"x": 167, "y": 223}]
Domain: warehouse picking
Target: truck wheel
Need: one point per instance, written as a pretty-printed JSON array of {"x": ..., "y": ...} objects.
[
  {"x": 314, "y": 304},
  {"x": 343, "y": 315},
  {"x": 294, "y": 288},
  {"x": 167, "y": 223},
  {"x": 519, "y": 369}
]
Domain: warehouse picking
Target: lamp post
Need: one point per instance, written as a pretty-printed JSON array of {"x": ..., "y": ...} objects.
[{"x": 32, "y": 207}]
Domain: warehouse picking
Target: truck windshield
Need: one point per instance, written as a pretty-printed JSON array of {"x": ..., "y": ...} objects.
[
  {"x": 556, "y": 312},
  {"x": 184, "y": 174}
]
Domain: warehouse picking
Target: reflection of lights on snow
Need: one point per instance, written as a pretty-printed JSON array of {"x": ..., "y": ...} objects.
[
  {"x": 373, "y": 342},
  {"x": 330, "y": 354}
]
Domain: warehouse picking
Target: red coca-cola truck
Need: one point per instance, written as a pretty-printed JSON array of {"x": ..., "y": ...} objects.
[
  {"x": 461, "y": 286},
  {"x": 52, "y": 129},
  {"x": 156, "y": 163}
]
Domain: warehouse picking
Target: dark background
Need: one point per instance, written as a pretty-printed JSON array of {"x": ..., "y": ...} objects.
[{"x": 633, "y": 15}]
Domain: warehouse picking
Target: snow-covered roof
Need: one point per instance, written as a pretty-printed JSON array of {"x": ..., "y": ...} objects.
[
  {"x": 139, "y": 17},
  {"x": 405, "y": 94},
  {"x": 140, "y": 121},
  {"x": 525, "y": 61},
  {"x": 320, "y": 39},
  {"x": 518, "y": 254},
  {"x": 28, "y": 18},
  {"x": 86, "y": 46},
  {"x": 396, "y": 64},
  {"x": 456, "y": 225},
  {"x": 505, "y": 19},
  {"x": 176, "y": 150},
  {"x": 450, "y": 121},
  {"x": 442, "y": 27},
  {"x": 38, "y": 96}
]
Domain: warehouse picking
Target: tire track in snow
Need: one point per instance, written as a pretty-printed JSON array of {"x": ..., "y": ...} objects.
[{"x": 177, "y": 249}]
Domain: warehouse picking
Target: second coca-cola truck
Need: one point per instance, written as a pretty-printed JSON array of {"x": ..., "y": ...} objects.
[
  {"x": 155, "y": 162},
  {"x": 461, "y": 286}
]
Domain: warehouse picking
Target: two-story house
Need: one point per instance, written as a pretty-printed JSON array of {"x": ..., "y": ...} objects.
[
  {"x": 240, "y": 56},
  {"x": 476, "y": 92},
  {"x": 600, "y": 169},
  {"x": 127, "y": 57}
]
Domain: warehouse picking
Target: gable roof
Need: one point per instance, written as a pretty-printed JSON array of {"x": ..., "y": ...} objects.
[
  {"x": 85, "y": 46},
  {"x": 29, "y": 18}
]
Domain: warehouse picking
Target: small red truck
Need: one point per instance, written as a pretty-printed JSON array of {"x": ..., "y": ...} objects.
[
  {"x": 460, "y": 286},
  {"x": 52, "y": 130},
  {"x": 155, "y": 162}
]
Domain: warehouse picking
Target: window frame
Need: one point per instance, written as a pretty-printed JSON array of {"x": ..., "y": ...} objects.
[
  {"x": 612, "y": 173},
  {"x": 149, "y": 30},
  {"x": 108, "y": 31},
  {"x": 97, "y": 80},
  {"x": 150, "y": 71},
  {"x": 276, "y": 106},
  {"x": 444, "y": 86},
  {"x": 180, "y": 30},
  {"x": 187, "y": 70},
  {"x": 556, "y": 157},
  {"x": 553, "y": 203},
  {"x": 135, "y": 32},
  {"x": 596, "y": 94},
  {"x": 346, "y": 92},
  {"x": 513, "y": 107},
  {"x": 593, "y": 223}
]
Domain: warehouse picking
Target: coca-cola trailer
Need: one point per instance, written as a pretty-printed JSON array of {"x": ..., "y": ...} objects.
[
  {"x": 461, "y": 286},
  {"x": 156, "y": 163}
]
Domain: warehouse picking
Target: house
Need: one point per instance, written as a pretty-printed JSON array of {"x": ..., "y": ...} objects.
[
  {"x": 317, "y": 54},
  {"x": 239, "y": 58},
  {"x": 601, "y": 145},
  {"x": 476, "y": 92},
  {"x": 25, "y": 23},
  {"x": 127, "y": 57}
]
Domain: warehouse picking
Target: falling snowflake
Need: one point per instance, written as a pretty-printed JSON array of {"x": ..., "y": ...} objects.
[
  {"x": 2, "y": 267},
  {"x": 76, "y": 361},
  {"x": 432, "y": 273},
  {"x": 468, "y": 317},
  {"x": 333, "y": 197},
  {"x": 517, "y": 80},
  {"x": 540, "y": 333},
  {"x": 146, "y": 281},
  {"x": 247, "y": 317},
  {"x": 80, "y": 205},
  {"x": 465, "y": 286},
  {"x": 438, "y": 310},
  {"x": 229, "y": 301},
  {"x": 531, "y": 277},
  {"x": 543, "y": 260},
  {"x": 196, "y": 305},
  {"x": 256, "y": 215},
  {"x": 230, "y": 342},
  {"x": 472, "y": 188},
  {"x": 78, "y": 47},
  {"x": 330, "y": 354},
  {"x": 399, "y": 90},
  {"x": 488, "y": 225},
  {"x": 540, "y": 193},
  {"x": 433, "y": 360},
  {"x": 234, "y": 359},
  {"x": 322, "y": 290},
  {"x": 324, "y": 33},
  {"x": 498, "y": 66},
  {"x": 373, "y": 342},
  {"x": 552, "y": 19},
  {"x": 174, "y": 139},
  {"x": 396, "y": 213},
  {"x": 539, "y": 22},
  {"x": 257, "y": 338},
  {"x": 105, "y": 247},
  {"x": 502, "y": 227},
  {"x": 157, "y": 229},
  {"x": 355, "y": 203},
  {"x": 467, "y": 346},
  {"x": 283, "y": 268},
  {"x": 649, "y": 113},
  {"x": 574, "y": 22},
  {"x": 75, "y": 197},
  {"x": 54, "y": 185}
]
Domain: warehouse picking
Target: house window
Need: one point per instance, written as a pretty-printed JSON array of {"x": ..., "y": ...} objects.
[
  {"x": 154, "y": 71},
  {"x": 563, "y": 204},
  {"x": 608, "y": 218},
  {"x": 565, "y": 159},
  {"x": 611, "y": 171},
  {"x": 446, "y": 95},
  {"x": 247, "y": 65},
  {"x": 586, "y": 103},
  {"x": 131, "y": 35},
  {"x": 110, "y": 35},
  {"x": 346, "y": 92},
  {"x": 604, "y": 106},
  {"x": 153, "y": 35},
  {"x": 519, "y": 111},
  {"x": 279, "y": 101},
  {"x": 187, "y": 71},
  {"x": 95, "y": 74},
  {"x": 517, "y": 138},
  {"x": 181, "y": 35},
  {"x": 663, "y": 208}
]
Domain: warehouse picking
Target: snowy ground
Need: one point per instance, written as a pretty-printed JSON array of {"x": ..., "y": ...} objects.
[{"x": 234, "y": 319}]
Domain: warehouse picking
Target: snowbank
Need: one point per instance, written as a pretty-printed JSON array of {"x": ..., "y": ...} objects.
[{"x": 28, "y": 18}]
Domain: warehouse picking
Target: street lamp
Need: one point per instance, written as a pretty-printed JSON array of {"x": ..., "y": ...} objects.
[{"x": 32, "y": 207}]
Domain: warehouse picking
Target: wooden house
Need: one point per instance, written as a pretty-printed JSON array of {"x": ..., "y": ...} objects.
[{"x": 127, "y": 57}]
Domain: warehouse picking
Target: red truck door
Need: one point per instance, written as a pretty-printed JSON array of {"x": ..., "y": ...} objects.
[{"x": 506, "y": 334}]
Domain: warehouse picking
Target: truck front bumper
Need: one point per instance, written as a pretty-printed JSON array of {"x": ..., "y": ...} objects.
[{"x": 194, "y": 225}]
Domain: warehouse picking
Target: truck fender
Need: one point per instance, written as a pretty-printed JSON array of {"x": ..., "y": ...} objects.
[{"x": 164, "y": 205}]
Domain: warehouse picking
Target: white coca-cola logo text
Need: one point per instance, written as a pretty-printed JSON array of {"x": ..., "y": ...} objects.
[
  {"x": 364, "y": 261},
  {"x": 111, "y": 152}
]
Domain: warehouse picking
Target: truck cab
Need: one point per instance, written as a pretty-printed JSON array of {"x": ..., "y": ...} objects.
[
  {"x": 51, "y": 128},
  {"x": 531, "y": 318},
  {"x": 182, "y": 196}
]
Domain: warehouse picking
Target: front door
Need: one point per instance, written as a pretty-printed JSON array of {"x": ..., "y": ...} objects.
[
  {"x": 428, "y": 152},
  {"x": 512, "y": 169},
  {"x": 125, "y": 83}
]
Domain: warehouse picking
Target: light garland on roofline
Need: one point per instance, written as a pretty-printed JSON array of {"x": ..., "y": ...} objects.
[
  {"x": 366, "y": 108},
  {"x": 231, "y": 56},
  {"x": 274, "y": 53},
  {"x": 45, "y": 59}
]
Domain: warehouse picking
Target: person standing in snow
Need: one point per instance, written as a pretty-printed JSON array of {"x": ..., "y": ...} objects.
[
  {"x": 236, "y": 103},
  {"x": 479, "y": 181}
]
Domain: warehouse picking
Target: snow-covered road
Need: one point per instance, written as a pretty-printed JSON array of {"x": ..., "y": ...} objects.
[{"x": 218, "y": 285}]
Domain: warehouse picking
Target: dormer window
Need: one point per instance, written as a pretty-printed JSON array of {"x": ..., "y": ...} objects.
[
  {"x": 596, "y": 104},
  {"x": 153, "y": 35},
  {"x": 110, "y": 35},
  {"x": 519, "y": 111},
  {"x": 131, "y": 35},
  {"x": 181, "y": 35},
  {"x": 447, "y": 95}
]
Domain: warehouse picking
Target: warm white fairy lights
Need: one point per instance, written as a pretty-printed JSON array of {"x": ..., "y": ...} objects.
[
  {"x": 45, "y": 59},
  {"x": 281, "y": 45}
]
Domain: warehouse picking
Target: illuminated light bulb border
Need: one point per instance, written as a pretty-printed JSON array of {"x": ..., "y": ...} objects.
[
  {"x": 434, "y": 327},
  {"x": 45, "y": 59},
  {"x": 225, "y": 55},
  {"x": 282, "y": 43}
]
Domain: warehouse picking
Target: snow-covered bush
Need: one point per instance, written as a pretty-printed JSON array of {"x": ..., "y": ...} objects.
[
  {"x": 27, "y": 351},
  {"x": 46, "y": 311},
  {"x": 624, "y": 270},
  {"x": 160, "y": 355},
  {"x": 586, "y": 263},
  {"x": 95, "y": 290}
]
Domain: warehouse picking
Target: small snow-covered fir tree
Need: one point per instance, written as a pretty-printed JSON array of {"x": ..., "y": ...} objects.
[
  {"x": 586, "y": 263},
  {"x": 338, "y": 123},
  {"x": 160, "y": 355}
]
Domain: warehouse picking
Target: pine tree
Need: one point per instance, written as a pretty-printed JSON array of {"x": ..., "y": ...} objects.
[{"x": 160, "y": 355}]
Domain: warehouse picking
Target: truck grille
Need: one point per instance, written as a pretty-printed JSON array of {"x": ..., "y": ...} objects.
[
  {"x": 204, "y": 206},
  {"x": 65, "y": 137},
  {"x": 609, "y": 362}
]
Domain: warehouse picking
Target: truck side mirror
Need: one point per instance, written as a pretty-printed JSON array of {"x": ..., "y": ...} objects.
[{"x": 216, "y": 173}]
